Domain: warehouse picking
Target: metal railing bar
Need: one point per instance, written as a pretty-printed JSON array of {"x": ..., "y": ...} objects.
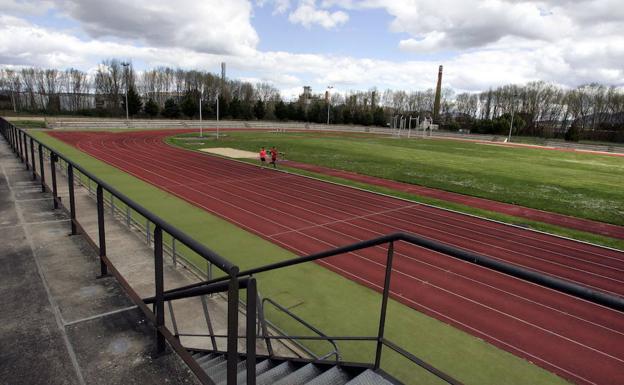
[
  {"x": 208, "y": 321},
  {"x": 608, "y": 300},
  {"x": 304, "y": 323},
  {"x": 200, "y": 249},
  {"x": 287, "y": 337}
]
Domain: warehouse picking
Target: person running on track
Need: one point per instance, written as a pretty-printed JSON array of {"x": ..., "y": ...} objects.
[
  {"x": 263, "y": 155},
  {"x": 274, "y": 156}
]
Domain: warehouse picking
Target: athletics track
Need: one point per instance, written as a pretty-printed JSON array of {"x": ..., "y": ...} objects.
[{"x": 578, "y": 340}]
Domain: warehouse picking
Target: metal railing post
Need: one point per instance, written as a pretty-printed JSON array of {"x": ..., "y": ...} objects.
[
  {"x": 32, "y": 158},
  {"x": 26, "y": 152},
  {"x": 213, "y": 339},
  {"x": 384, "y": 305},
  {"x": 19, "y": 145},
  {"x": 53, "y": 172},
  {"x": 101, "y": 230},
  {"x": 232, "y": 327},
  {"x": 14, "y": 139},
  {"x": 265, "y": 329},
  {"x": 252, "y": 296},
  {"x": 72, "y": 202},
  {"x": 41, "y": 168},
  {"x": 160, "y": 288},
  {"x": 174, "y": 253}
]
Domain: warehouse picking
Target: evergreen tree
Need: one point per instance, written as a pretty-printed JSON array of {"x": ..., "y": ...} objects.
[
  {"x": 134, "y": 102},
  {"x": 171, "y": 109},
  {"x": 235, "y": 108},
  {"x": 224, "y": 107},
  {"x": 259, "y": 110},
  {"x": 379, "y": 117},
  {"x": 151, "y": 108},
  {"x": 281, "y": 111},
  {"x": 189, "y": 105}
]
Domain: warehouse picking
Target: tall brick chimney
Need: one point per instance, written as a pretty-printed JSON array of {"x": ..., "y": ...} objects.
[{"x": 436, "y": 103}]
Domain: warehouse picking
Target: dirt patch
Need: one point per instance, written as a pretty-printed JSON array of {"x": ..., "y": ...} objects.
[{"x": 231, "y": 152}]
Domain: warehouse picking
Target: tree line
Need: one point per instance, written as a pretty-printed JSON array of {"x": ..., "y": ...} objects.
[{"x": 592, "y": 111}]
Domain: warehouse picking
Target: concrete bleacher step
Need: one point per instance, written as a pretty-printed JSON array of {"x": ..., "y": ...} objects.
[
  {"x": 333, "y": 376},
  {"x": 261, "y": 367},
  {"x": 301, "y": 376},
  {"x": 368, "y": 377},
  {"x": 276, "y": 373},
  {"x": 287, "y": 372}
]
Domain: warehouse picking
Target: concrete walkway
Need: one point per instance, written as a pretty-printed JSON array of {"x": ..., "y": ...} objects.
[{"x": 59, "y": 324}]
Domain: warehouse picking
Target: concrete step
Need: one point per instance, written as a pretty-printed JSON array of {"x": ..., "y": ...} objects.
[
  {"x": 333, "y": 376},
  {"x": 301, "y": 376},
  {"x": 368, "y": 377}
]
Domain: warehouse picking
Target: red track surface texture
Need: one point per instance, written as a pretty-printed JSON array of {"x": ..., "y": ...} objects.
[{"x": 573, "y": 338}]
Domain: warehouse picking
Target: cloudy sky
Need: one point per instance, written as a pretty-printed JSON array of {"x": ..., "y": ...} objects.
[{"x": 348, "y": 44}]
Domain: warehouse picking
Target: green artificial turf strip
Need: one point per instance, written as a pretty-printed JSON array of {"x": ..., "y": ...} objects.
[
  {"x": 577, "y": 184},
  {"x": 523, "y": 222},
  {"x": 335, "y": 305},
  {"x": 28, "y": 123}
]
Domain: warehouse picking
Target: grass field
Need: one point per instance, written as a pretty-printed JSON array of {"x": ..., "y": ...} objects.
[
  {"x": 311, "y": 292},
  {"x": 583, "y": 185}
]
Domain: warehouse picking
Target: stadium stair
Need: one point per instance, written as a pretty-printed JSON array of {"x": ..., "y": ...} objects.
[{"x": 282, "y": 371}]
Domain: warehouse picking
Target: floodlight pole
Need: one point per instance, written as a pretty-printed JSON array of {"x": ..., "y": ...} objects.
[
  {"x": 328, "y": 102},
  {"x": 201, "y": 123},
  {"x": 512, "y": 116},
  {"x": 217, "y": 115},
  {"x": 126, "y": 64}
]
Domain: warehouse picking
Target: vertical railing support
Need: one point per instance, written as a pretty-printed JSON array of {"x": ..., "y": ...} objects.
[
  {"x": 160, "y": 288},
  {"x": 213, "y": 339},
  {"x": 19, "y": 145},
  {"x": 53, "y": 159},
  {"x": 26, "y": 152},
  {"x": 72, "y": 202},
  {"x": 263, "y": 325},
  {"x": 101, "y": 230},
  {"x": 41, "y": 169},
  {"x": 232, "y": 327},
  {"x": 174, "y": 252},
  {"x": 384, "y": 305},
  {"x": 252, "y": 296},
  {"x": 32, "y": 159}
]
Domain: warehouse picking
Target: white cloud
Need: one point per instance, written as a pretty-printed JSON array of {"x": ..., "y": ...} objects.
[
  {"x": 587, "y": 52},
  {"x": 279, "y": 6},
  {"x": 209, "y": 26},
  {"x": 307, "y": 14}
]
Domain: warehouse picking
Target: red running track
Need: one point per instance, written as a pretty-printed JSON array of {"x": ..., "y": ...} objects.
[{"x": 578, "y": 340}]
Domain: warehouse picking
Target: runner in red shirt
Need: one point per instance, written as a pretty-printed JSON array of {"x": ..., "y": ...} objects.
[
  {"x": 274, "y": 157},
  {"x": 263, "y": 155}
]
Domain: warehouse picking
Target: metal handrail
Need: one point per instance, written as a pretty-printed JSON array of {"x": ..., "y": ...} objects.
[
  {"x": 303, "y": 322},
  {"x": 19, "y": 141},
  {"x": 609, "y": 300},
  {"x": 206, "y": 253}
]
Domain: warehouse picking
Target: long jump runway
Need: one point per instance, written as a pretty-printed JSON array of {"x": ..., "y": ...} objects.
[{"x": 578, "y": 340}]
